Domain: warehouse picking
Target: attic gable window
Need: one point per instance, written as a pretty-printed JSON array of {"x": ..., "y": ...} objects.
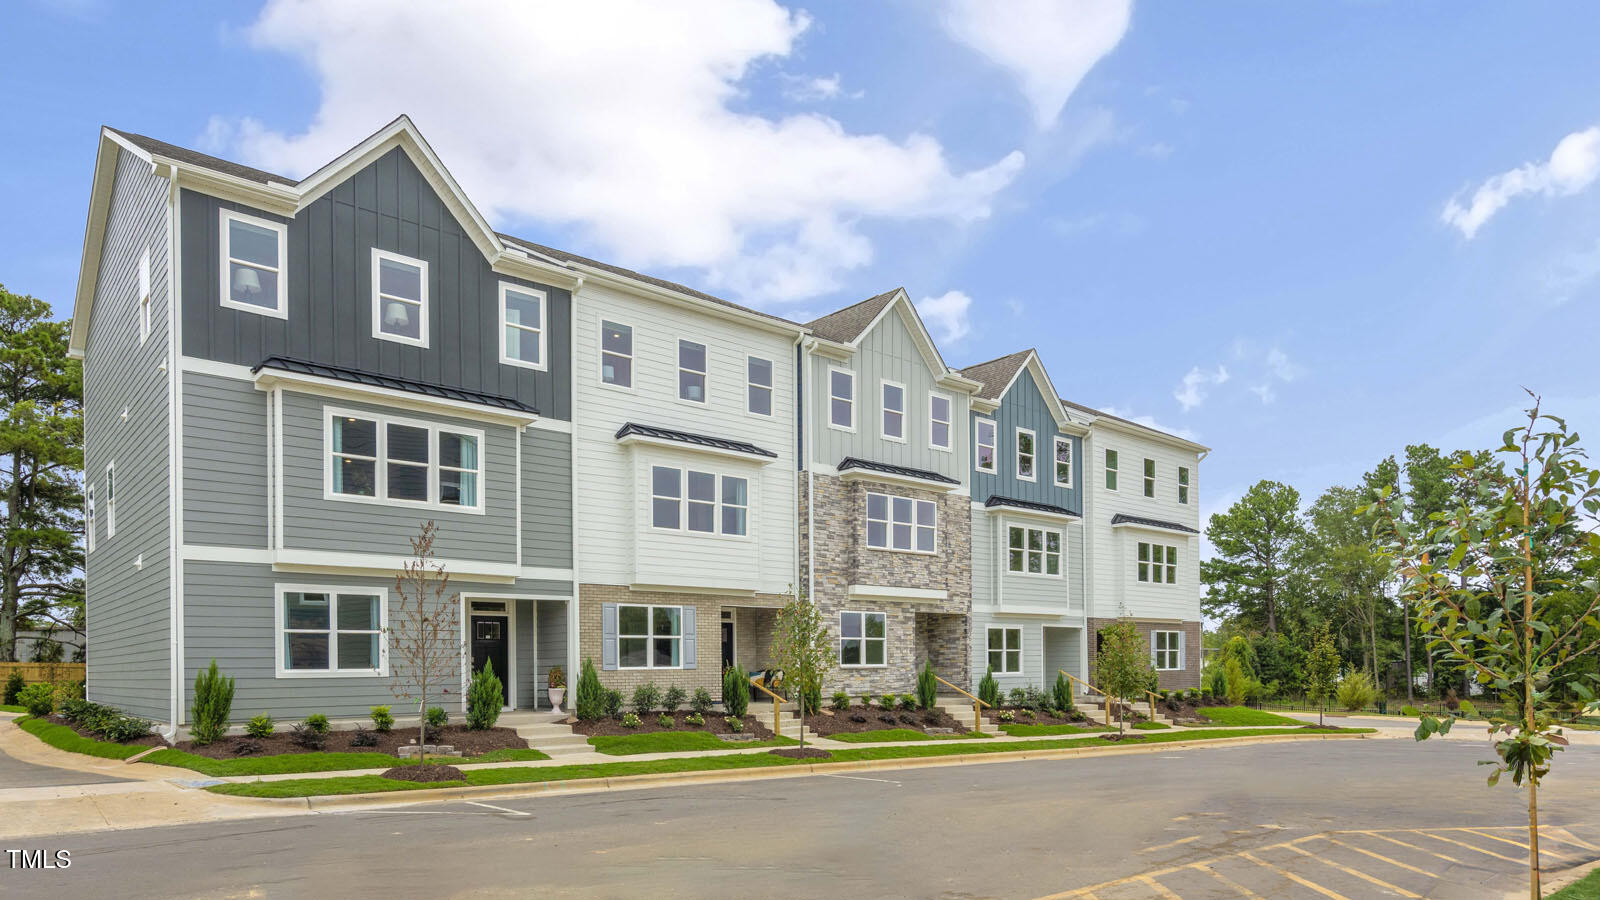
[
  {"x": 253, "y": 265},
  {"x": 399, "y": 298}
]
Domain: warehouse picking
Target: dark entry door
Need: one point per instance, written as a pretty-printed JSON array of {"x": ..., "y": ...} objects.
[
  {"x": 727, "y": 645},
  {"x": 490, "y": 643}
]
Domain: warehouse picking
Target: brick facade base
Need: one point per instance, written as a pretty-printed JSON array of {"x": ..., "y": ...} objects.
[{"x": 1183, "y": 679}]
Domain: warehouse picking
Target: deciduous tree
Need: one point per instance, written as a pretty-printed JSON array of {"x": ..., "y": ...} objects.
[
  {"x": 425, "y": 633},
  {"x": 804, "y": 650},
  {"x": 1122, "y": 664}
]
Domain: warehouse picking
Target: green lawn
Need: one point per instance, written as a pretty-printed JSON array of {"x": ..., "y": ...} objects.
[
  {"x": 309, "y": 787},
  {"x": 1587, "y": 889},
  {"x": 1243, "y": 715},
  {"x": 674, "y": 742},
  {"x": 1017, "y": 729},
  {"x": 1151, "y": 726},
  {"x": 898, "y": 734},
  {"x": 63, "y": 738},
  {"x": 11, "y": 709}
]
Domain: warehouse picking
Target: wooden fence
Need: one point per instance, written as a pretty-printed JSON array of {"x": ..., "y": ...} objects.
[{"x": 33, "y": 672}]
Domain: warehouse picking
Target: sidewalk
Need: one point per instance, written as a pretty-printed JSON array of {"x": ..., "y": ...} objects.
[{"x": 1406, "y": 726}]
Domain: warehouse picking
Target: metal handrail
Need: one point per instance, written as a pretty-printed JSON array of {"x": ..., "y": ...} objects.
[
  {"x": 977, "y": 705},
  {"x": 777, "y": 711},
  {"x": 1076, "y": 680}
]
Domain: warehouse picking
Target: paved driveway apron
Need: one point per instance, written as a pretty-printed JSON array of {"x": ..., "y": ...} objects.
[{"x": 15, "y": 773}]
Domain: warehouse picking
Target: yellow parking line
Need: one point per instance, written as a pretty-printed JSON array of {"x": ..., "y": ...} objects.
[
  {"x": 1160, "y": 888},
  {"x": 1391, "y": 840},
  {"x": 1192, "y": 837},
  {"x": 1440, "y": 837},
  {"x": 1542, "y": 850},
  {"x": 1567, "y": 837},
  {"x": 1390, "y": 860},
  {"x": 1357, "y": 873},
  {"x": 1243, "y": 891},
  {"x": 1304, "y": 882}
]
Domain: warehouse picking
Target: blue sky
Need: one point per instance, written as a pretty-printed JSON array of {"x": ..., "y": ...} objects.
[{"x": 1152, "y": 195}]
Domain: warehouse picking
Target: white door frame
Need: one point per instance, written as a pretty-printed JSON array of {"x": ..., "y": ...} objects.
[{"x": 510, "y": 615}]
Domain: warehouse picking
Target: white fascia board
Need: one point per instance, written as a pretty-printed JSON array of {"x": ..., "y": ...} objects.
[
  {"x": 645, "y": 290},
  {"x": 1031, "y": 513},
  {"x": 1152, "y": 434},
  {"x": 891, "y": 592},
  {"x": 94, "y": 235},
  {"x": 1068, "y": 619},
  {"x": 1140, "y": 526},
  {"x": 853, "y": 474},
  {"x": 743, "y": 593},
  {"x": 332, "y": 387},
  {"x": 668, "y": 444}
]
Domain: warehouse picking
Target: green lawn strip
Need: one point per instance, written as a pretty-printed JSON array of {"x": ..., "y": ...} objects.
[
  {"x": 674, "y": 742},
  {"x": 1243, "y": 715},
  {"x": 1151, "y": 726},
  {"x": 63, "y": 738},
  {"x": 1587, "y": 889},
  {"x": 12, "y": 709},
  {"x": 898, "y": 734},
  {"x": 364, "y": 784},
  {"x": 289, "y": 763},
  {"x": 508, "y": 754},
  {"x": 1017, "y": 729}
]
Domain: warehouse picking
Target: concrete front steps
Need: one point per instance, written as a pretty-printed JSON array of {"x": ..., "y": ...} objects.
[
  {"x": 790, "y": 719},
  {"x": 960, "y": 709},
  {"x": 1095, "y": 709},
  {"x": 545, "y": 732}
]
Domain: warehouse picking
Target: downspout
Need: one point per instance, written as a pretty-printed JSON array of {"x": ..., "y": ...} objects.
[
  {"x": 811, "y": 491},
  {"x": 572, "y": 501},
  {"x": 800, "y": 396},
  {"x": 174, "y": 461}
]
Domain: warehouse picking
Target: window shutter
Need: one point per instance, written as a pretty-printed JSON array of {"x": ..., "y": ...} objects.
[
  {"x": 1153, "y": 659},
  {"x": 608, "y": 636},
  {"x": 1182, "y": 656},
  {"x": 688, "y": 637}
]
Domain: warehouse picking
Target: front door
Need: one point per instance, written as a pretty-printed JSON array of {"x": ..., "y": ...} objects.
[{"x": 490, "y": 644}]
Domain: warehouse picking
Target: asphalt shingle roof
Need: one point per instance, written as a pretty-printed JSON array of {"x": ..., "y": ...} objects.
[
  {"x": 196, "y": 158},
  {"x": 374, "y": 379},
  {"x": 1125, "y": 519},
  {"x": 847, "y": 324},
  {"x": 699, "y": 440},
  {"x": 996, "y": 374}
]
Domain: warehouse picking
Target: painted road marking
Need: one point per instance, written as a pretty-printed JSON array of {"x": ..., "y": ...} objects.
[
  {"x": 514, "y": 812},
  {"x": 860, "y": 778},
  {"x": 1440, "y": 837},
  {"x": 1542, "y": 850},
  {"x": 1389, "y": 860},
  {"x": 1192, "y": 837},
  {"x": 1160, "y": 888},
  {"x": 1304, "y": 882},
  {"x": 1567, "y": 837},
  {"x": 1357, "y": 873},
  {"x": 1243, "y": 891},
  {"x": 1391, "y": 840}
]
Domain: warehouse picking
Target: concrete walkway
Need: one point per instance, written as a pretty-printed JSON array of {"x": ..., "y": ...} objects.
[{"x": 1406, "y": 726}]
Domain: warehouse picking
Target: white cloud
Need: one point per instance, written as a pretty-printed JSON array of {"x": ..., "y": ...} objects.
[
  {"x": 1572, "y": 166},
  {"x": 1047, "y": 45},
  {"x": 1196, "y": 385},
  {"x": 1281, "y": 367},
  {"x": 947, "y": 316},
  {"x": 1156, "y": 150},
  {"x": 1265, "y": 392},
  {"x": 614, "y": 120},
  {"x": 804, "y": 89},
  {"x": 1150, "y": 422}
]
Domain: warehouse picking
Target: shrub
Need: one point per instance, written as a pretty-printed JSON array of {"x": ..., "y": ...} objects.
[
  {"x": 866, "y": 699},
  {"x": 988, "y": 688},
  {"x": 927, "y": 687},
  {"x": 1033, "y": 698},
  {"x": 308, "y": 736},
  {"x": 590, "y": 702},
  {"x": 122, "y": 728},
  {"x": 734, "y": 725},
  {"x": 382, "y": 719},
  {"x": 67, "y": 690},
  {"x": 810, "y": 700},
  {"x": 38, "y": 699},
  {"x": 78, "y": 711},
  {"x": 908, "y": 701},
  {"x": 14, "y": 686},
  {"x": 436, "y": 717},
  {"x": 246, "y": 747},
  {"x": 1016, "y": 697},
  {"x": 701, "y": 702},
  {"x": 363, "y": 738},
  {"x": 695, "y": 719},
  {"x": 556, "y": 677},
  {"x": 1217, "y": 682},
  {"x": 1356, "y": 691},
  {"x": 673, "y": 698},
  {"x": 1061, "y": 693},
  {"x": 735, "y": 691},
  {"x": 259, "y": 726},
  {"x": 317, "y": 722},
  {"x": 889, "y": 701},
  {"x": 213, "y": 702},
  {"x": 841, "y": 701},
  {"x": 1025, "y": 712},
  {"x": 612, "y": 702},
  {"x": 646, "y": 697},
  {"x": 629, "y": 720},
  {"x": 1006, "y": 716},
  {"x": 666, "y": 721},
  {"x": 1236, "y": 684},
  {"x": 485, "y": 695}
]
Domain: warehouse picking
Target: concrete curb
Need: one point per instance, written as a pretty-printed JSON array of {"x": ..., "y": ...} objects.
[{"x": 637, "y": 782}]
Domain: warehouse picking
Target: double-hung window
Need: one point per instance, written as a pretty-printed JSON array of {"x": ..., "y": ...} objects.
[
  {"x": 938, "y": 421},
  {"x": 862, "y": 638},
  {"x": 758, "y": 386},
  {"x": 1027, "y": 454},
  {"x": 111, "y": 500},
  {"x": 1063, "y": 454},
  {"x": 691, "y": 371},
  {"x": 984, "y": 436},
  {"x": 522, "y": 326},
  {"x": 894, "y": 411},
  {"x": 1149, "y": 477},
  {"x": 144, "y": 296},
  {"x": 253, "y": 265},
  {"x": 1158, "y": 563},
  {"x": 399, "y": 298},
  {"x": 1033, "y": 551},
  {"x": 649, "y": 637},
  {"x": 88, "y": 519},
  {"x": 901, "y": 523},
  {"x": 699, "y": 502},
  {"x": 331, "y": 632},
  {"x": 1183, "y": 484},
  {"x": 1166, "y": 650},
  {"x": 616, "y": 354},
  {"x": 1005, "y": 650},
  {"x": 1111, "y": 470},
  {"x": 841, "y": 399},
  {"x": 376, "y": 458}
]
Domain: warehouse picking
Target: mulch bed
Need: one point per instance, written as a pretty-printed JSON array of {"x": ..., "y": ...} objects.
[
  {"x": 801, "y": 753},
  {"x": 716, "y": 723},
  {"x": 150, "y": 740},
  {"x": 464, "y": 739},
  {"x": 1042, "y": 717},
  {"x": 875, "y": 718},
  {"x": 426, "y": 774},
  {"x": 1186, "y": 712}
]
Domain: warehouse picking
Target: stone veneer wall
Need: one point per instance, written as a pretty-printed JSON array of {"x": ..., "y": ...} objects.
[
  {"x": 1189, "y": 677},
  {"x": 707, "y": 672},
  {"x": 842, "y": 558}
]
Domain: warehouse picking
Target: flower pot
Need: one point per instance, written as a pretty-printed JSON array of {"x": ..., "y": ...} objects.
[{"x": 556, "y": 696}]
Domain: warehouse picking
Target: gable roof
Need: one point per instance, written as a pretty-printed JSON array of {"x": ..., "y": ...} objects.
[
  {"x": 997, "y": 374},
  {"x": 1128, "y": 425},
  {"x": 846, "y": 325},
  {"x": 194, "y": 157}
]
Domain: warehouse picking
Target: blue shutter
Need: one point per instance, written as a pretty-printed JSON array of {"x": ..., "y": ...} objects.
[
  {"x": 608, "y": 636},
  {"x": 688, "y": 637},
  {"x": 1183, "y": 662}
]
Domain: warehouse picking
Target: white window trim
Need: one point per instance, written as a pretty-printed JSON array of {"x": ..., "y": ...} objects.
[
  {"x": 1183, "y": 485},
  {"x": 1176, "y": 650},
  {"x": 421, "y": 340},
  {"x": 863, "y": 639},
  {"x": 88, "y": 518},
  {"x": 543, "y": 329},
  {"x": 716, "y": 507},
  {"x": 950, "y": 426},
  {"x": 280, "y": 671},
  {"x": 281, "y": 310},
  {"x": 883, "y": 410},
  {"x": 771, "y": 389},
  {"x": 144, "y": 296},
  {"x": 381, "y": 467},
  {"x": 888, "y": 532},
  {"x": 1151, "y": 487},
  {"x": 1017, "y": 454},
  {"x": 1003, "y": 648},
  {"x": 649, "y": 636},
  {"x": 854, "y": 397},
  {"x": 977, "y": 444},
  {"x": 1170, "y": 570},
  {"x": 1044, "y": 555},
  {"x": 679, "y": 369},
  {"x": 1106, "y": 466},
  {"x": 111, "y": 500},
  {"x": 632, "y": 355},
  {"x": 1055, "y": 449}
]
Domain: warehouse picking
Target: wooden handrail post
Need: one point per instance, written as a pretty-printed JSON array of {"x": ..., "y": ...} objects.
[{"x": 777, "y": 718}]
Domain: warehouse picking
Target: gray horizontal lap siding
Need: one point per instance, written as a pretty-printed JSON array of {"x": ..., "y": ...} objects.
[
  {"x": 1024, "y": 407},
  {"x": 388, "y": 205},
  {"x": 552, "y": 637},
  {"x": 129, "y": 600},
  {"x": 311, "y": 522},
  {"x": 224, "y": 462},
  {"x": 546, "y": 498}
]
